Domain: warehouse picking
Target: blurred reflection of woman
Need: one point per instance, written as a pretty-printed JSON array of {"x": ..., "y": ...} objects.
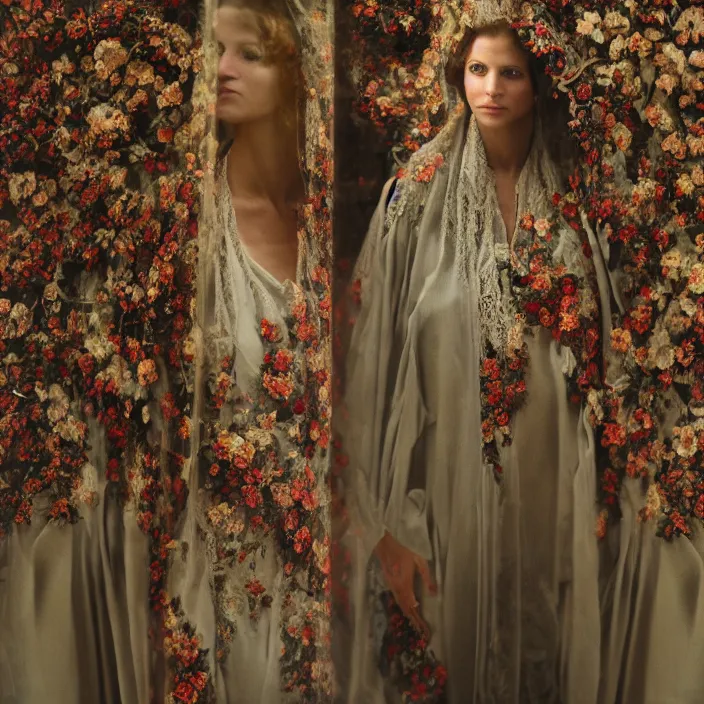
[
  {"x": 252, "y": 264},
  {"x": 473, "y": 475}
]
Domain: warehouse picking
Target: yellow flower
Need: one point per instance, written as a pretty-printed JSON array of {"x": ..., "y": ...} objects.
[
  {"x": 146, "y": 372},
  {"x": 621, "y": 340},
  {"x": 685, "y": 185}
]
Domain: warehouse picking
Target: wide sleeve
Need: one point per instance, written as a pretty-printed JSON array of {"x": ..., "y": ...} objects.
[{"x": 385, "y": 412}]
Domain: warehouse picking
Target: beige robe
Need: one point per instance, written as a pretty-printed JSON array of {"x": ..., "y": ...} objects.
[
  {"x": 74, "y": 606},
  {"x": 531, "y": 607}
]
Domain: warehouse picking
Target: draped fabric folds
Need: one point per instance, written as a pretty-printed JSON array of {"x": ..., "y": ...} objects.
[{"x": 531, "y": 607}]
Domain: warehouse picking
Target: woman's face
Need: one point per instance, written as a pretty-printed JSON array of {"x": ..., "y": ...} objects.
[
  {"x": 497, "y": 82},
  {"x": 248, "y": 84}
]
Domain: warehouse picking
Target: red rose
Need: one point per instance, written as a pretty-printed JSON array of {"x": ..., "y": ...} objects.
[
  {"x": 584, "y": 92},
  {"x": 568, "y": 287},
  {"x": 185, "y": 693},
  {"x": 299, "y": 406}
]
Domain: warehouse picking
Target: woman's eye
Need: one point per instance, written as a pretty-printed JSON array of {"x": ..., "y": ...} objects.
[
  {"x": 476, "y": 69},
  {"x": 251, "y": 55},
  {"x": 513, "y": 73}
]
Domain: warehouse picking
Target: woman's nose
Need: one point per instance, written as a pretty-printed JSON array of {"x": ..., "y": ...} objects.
[
  {"x": 492, "y": 85},
  {"x": 229, "y": 67}
]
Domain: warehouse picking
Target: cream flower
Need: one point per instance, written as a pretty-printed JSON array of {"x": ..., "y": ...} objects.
[
  {"x": 696, "y": 59},
  {"x": 139, "y": 73},
  {"x": 698, "y": 175},
  {"x": 71, "y": 430},
  {"x": 22, "y": 186},
  {"x": 696, "y": 145},
  {"x": 171, "y": 95},
  {"x": 19, "y": 322},
  {"x": 617, "y": 47},
  {"x": 86, "y": 489},
  {"x": 58, "y": 403},
  {"x": 685, "y": 184},
  {"x": 661, "y": 352},
  {"x": 100, "y": 347},
  {"x": 675, "y": 146},
  {"x": 109, "y": 55},
  {"x": 688, "y": 306},
  {"x": 690, "y": 24},
  {"x": 659, "y": 117},
  {"x": 676, "y": 56},
  {"x": 667, "y": 83},
  {"x": 685, "y": 441},
  {"x": 696, "y": 279},
  {"x": 105, "y": 119},
  {"x": 617, "y": 22},
  {"x": 622, "y": 136}
]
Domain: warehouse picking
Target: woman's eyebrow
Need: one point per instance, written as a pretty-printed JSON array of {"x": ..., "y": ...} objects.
[{"x": 477, "y": 61}]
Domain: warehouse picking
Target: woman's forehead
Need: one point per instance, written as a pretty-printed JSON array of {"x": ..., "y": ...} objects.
[
  {"x": 236, "y": 24},
  {"x": 497, "y": 49}
]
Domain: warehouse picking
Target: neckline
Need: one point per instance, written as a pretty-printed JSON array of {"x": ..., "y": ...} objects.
[
  {"x": 248, "y": 259},
  {"x": 263, "y": 271}
]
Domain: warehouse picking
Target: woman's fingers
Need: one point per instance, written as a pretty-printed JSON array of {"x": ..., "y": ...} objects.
[
  {"x": 408, "y": 603},
  {"x": 412, "y": 612},
  {"x": 399, "y": 566},
  {"x": 424, "y": 571}
]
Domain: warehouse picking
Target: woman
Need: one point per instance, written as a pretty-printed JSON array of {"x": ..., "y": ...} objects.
[
  {"x": 473, "y": 475},
  {"x": 251, "y": 264}
]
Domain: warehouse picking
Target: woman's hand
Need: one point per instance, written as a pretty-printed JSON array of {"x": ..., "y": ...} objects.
[{"x": 399, "y": 565}]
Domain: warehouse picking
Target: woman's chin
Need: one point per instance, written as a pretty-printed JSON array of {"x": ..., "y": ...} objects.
[{"x": 487, "y": 118}]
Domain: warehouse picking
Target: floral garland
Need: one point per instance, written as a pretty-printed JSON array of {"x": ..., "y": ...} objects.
[
  {"x": 99, "y": 199},
  {"x": 638, "y": 114},
  {"x": 634, "y": 75},
  {"x": 406, "y": 660},
  {"x": 258, "y": 489},
  {"x": 396, "y": 68}
]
